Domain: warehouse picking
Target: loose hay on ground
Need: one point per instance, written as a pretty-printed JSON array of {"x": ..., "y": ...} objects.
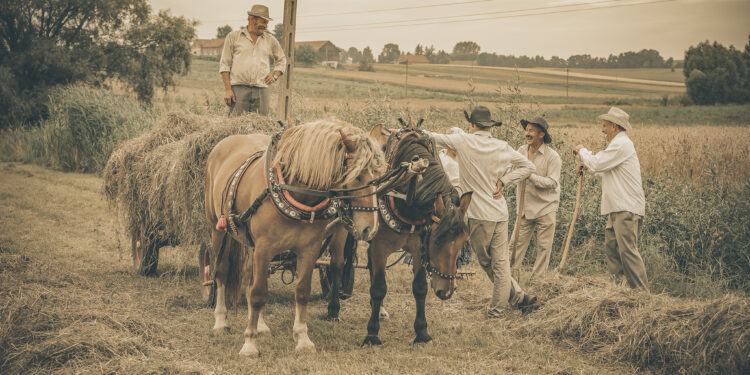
[
  {"x": 157, "y": 180},
  {"x": 658, "y": 331}
]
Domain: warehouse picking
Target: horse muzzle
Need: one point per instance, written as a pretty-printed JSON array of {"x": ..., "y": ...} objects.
[{"x": 443, "y": 288}]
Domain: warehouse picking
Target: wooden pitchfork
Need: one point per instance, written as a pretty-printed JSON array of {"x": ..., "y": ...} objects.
[
  {"x": 569, "y": 236},
  {"x": 516, "y": 272}
]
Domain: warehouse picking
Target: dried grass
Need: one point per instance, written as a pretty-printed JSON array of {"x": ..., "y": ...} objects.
[
  {"x": 157, "y": 180},
  {"x": 651, "y": 331}
]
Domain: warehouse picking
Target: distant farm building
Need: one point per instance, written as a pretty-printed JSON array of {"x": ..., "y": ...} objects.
[
  {"x": 207, "y": 47},
  {"x": 326, "y": 50},
  {"x": 413, "y": 59}
]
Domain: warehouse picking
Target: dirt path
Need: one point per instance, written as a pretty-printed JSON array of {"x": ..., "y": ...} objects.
[{"x": 70, "y": 303}]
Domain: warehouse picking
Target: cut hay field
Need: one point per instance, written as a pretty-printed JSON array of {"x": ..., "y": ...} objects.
[{"x": 70, "y": 302}]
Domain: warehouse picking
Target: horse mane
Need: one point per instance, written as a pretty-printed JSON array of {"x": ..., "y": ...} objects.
[
  {"x": 313, "y": 154},
  {"x": 451, "y": 225},
  {"x": 434, "y": 181}
]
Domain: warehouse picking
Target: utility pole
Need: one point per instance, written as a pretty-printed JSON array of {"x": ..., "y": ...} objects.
[
  {"x": 567, "y": 77},
  {"x": 406, "y": 79},
  {"x": 285, "y": 86}
]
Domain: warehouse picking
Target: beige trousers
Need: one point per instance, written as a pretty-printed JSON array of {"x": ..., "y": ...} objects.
[
  {"x": 489, "y": 239},
  {"x": 545, "y": 233},
  {"x": 621, "y": 245}
]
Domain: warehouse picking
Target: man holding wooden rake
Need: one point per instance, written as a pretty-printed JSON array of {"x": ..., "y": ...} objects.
[
  {"x": 623, "y": 200},
  {"x": 540, "y": 202}
]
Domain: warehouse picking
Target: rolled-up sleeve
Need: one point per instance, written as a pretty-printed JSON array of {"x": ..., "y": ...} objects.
[
  {"x": 279, "y": 58},
  {"x": 448, "y": 141},
  {"x": 522, "y": 168},
  {"x": 225, "y": 64},
  {"x": 552, "y": 180},
  {"x": 606, "y": 159}
]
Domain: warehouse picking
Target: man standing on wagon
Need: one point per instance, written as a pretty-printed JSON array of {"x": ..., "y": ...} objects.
[
  {"x": 541, "y": 198},
  {"x": 623, "y": 200},
  {"x": 244, "y": 65},
  {"x": 482, "y": 163}
]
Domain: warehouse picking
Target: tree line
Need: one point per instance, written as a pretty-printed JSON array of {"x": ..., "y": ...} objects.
[{"x": 46, "y": 43}]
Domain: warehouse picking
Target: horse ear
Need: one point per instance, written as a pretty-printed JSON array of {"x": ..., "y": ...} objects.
[
  {"x": 350, "y": 142},
  {"x": 380, "y": 134},
  {"x": 464, "y": 202},
  {"x": 439, "y": 206}
]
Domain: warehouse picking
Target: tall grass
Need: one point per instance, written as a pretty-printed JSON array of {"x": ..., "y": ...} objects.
[{"x": 84, "y": 126}]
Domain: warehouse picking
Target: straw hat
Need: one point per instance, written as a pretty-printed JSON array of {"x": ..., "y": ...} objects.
[
  {"x": 259, "y": 11},
  {"x": 617, "y": 116}
]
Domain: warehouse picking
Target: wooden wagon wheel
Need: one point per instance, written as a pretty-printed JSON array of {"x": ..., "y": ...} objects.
[
  {"x": 145, "y": 254},
  {"x": 205, "y": 267}
]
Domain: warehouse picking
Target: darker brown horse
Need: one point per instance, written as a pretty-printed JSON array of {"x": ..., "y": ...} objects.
[
  {"x": 286, "y": 191},
  {"x": 427, "y": 220}
]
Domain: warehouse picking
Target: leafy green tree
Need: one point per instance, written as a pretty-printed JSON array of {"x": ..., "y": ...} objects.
[
  {"x": 223, "y": 31},
  {"x": 389, "y": 54},
  {"x": 716, "y": 74},
  {"x": 278, "y": 31},
  {"x": 367, "y": 55},
  {"x": 354, "y": 53},
  {"x": 45, "y": 43},
  {"x": 466, "y": 50},
  {"x": 305, "y": 55},
  {"x": 419, "y": 50},
  {"x": 441, "y": 57}
]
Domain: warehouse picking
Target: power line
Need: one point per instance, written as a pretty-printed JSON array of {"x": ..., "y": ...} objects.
[
  {"x": 488, "y": 18},
  {"x": 393, "y": 9},
  {"x": 466, "y": 15}
]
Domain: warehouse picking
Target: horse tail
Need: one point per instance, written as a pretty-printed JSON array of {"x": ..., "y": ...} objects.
[{"x": 239, "y": 273}]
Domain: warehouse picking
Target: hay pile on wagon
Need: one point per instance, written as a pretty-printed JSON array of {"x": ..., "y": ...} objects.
[
  {"x": 157, "y": 180},
  {"x": 650, "y": 330}
]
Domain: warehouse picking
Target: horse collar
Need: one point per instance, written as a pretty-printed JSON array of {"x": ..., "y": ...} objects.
[{"x": 286, "y": 204}]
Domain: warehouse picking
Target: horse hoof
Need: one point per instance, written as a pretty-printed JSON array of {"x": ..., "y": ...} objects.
[
  {"x": 249, "y": 351},
  {"x": 423, "y": 340},
  {"x": 371, "y": 340},
  {"x": 384, "y": 314},
  {"x": 221, "y": 331},
  {"x": 305, "y": 347}
]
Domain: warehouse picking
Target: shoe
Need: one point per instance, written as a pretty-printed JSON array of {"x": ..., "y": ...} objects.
[
  {"x": 495, "y": 313},
  {"x": 528, "y": 304}
]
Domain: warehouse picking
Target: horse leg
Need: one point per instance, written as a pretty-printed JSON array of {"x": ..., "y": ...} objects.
[
  {"x": 377, "y": 257},
  {"x": 248, "y": 280},
  {"x": 419, "y": 289},
  {"x": 258, "y": 298},
  {"x": 305, "y": 265},
  {"x": 220, "y": 311},
  {"x": 336, "y": 269}
]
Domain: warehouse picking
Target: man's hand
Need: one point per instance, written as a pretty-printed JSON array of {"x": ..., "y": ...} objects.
[
  {"x": 498, "y": 193},
  {"x": 229, "y": 97},
  {"x": 577, "y": 149},
  {"x": 271, "y": 78},
  {"x": 581, "y": 168}
]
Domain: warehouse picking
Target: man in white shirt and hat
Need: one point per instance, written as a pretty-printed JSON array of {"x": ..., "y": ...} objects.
[
  {"x": 244, "y": 65},
  {"x": 541, "y": 198},
  {"x": 623, "y": 201},
  {"x": 482, "y": 165}
]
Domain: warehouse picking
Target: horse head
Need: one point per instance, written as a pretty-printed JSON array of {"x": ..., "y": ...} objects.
[{"x": 444, "y": 243}]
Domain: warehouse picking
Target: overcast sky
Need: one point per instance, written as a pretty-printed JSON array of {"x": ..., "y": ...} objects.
[{"x": 520, "y": 27}]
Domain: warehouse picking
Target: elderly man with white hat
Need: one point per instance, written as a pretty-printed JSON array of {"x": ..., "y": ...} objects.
[
  {"x": 244, "y": 65},
  {"x": 623, "y": 200}
]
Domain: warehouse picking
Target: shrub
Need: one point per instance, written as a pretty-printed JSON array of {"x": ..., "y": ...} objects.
[{"x": 84, "y": 126}]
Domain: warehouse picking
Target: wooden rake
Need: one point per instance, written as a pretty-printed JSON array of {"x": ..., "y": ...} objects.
[{"x": 569, "y": 236}]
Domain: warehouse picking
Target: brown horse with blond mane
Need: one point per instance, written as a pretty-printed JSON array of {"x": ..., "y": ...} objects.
[{"x": 287, "y": 191}]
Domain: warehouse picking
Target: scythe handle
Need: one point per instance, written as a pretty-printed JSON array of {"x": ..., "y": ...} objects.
[
  {"x": 521, "y": 194},
  {"x": 569, "y": 236}
]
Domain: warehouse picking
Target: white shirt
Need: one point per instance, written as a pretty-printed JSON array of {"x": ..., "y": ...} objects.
[
  {"x": 543, "y": 186},
  {"x": 620, "y": 172},
  {"x": 248, "y": 62},
  {"x": 482, "y": 161},
  {"x": 450, "y": 166}
]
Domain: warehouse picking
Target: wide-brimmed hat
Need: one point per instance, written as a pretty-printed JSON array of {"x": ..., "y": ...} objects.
[
  {"x": 260, "y": 11},
  {"x": 480, "y": 116},
  {"x": 617, "y": 116},
  {"x": 541, "y": 123}
]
